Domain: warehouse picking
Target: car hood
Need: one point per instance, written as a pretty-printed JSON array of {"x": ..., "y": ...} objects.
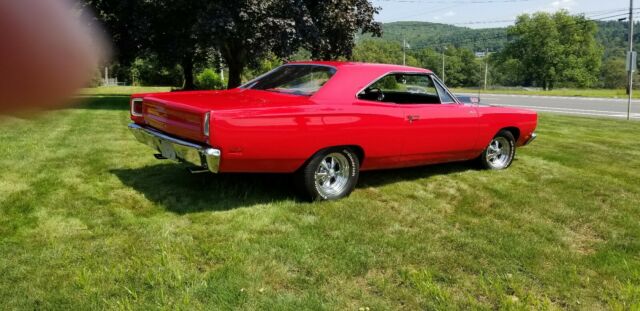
[{"x": 228, "y": 99}]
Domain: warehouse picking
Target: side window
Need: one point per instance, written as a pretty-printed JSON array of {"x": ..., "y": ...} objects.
[
  {"x": 402, "y": 88},
  {"x": 445, "y": 98}
]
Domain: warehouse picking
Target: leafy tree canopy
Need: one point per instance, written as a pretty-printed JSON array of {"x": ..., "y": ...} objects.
[
  {"x": 242, "y": 31},
  {"x": 555, "y": 47}
]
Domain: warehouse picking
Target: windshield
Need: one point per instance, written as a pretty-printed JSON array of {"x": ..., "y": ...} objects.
[{"x": 294, "y": 79}]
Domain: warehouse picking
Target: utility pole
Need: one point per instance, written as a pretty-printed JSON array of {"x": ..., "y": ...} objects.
[
  {"x": 486, "y": 68},
  {"x": 444, "y": 80},
  {"x": 631, "y": 59},
  {"x": 404, "y": 52}
]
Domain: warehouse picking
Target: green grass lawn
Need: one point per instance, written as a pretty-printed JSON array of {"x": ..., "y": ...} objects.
[
  {"x": 89, "y": 219},
  {"x": 599, "y": 93}
]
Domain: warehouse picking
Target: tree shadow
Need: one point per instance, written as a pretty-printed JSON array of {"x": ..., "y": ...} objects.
[
  {"x": 101, "y": 102},
  {"x": 171, "y": 186}
]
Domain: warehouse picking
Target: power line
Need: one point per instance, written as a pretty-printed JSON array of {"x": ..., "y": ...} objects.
[
  {"x": 458, "y": 1},
  {"x": 487, "y": 22},
  {"x": 430, "y": 11},
  {"x": 454, "y": 2},
  {"x": 474, "y": 40},
  {"x": 590, "y": 15},
  {"x": 505, "y": 36},
  {"x": 605, "y": 12}
]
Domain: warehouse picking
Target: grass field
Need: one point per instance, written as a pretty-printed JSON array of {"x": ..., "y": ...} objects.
[
  {"x": 90, "y": 220},
  {"x": 599, "y": 93}
]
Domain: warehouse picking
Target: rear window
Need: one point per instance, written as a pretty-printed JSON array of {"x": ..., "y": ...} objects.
[{"x": 303, "y": 80}]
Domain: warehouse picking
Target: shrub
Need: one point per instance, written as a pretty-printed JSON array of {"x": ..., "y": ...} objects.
[
  {"x": 149, "y": 71},
  {"x": 209, "y": 80}
]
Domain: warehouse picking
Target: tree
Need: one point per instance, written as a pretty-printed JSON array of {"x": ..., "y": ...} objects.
[
  {"x": 327, "y": 27},
  {"x": 506, "y": 71},
  {"x": 165, "y": 29},
  {"x": 461, "y": 69},
  {"x": 124, "y": 22},
  {"x": 613, "y": 74},
  {"x": 242, "y": 31},
  {"x": 429, "y": 59},
  {"x": 173, "y": 34},
  {"x": 385, "y": 52},
  {"x": 555, "y": 48},
  {"x": 246, "y": 30}
]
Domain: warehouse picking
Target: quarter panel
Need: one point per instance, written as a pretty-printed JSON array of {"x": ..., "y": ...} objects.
[
  {"x": 282, "y": 139},
  {"x": 493, "y": 119}
]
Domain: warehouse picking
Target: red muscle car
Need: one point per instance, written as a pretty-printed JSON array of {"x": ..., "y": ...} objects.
[{"x": 326, "y": 122}]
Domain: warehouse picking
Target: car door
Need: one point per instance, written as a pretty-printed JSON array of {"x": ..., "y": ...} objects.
[
  {"x": 438, "y": 130},
  {"x": 381, "y": 128},
  {"x": 383, "y": 125}
]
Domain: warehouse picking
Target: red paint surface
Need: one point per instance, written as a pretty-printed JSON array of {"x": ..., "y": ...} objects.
[{"x": 261, "y": 131}]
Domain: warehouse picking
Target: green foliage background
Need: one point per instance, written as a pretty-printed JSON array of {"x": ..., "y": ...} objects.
[
  {"x": 601, "y": 66},
  {"x": 543, "y": 50}
]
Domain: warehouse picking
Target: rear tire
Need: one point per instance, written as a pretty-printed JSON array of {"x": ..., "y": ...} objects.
[
  {"x": 500, "y": 152},
  {"x": 330, "y": 174}
]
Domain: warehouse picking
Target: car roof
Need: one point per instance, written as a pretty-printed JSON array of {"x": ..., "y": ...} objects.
[
  {"x": 375, "y": 66},
  {"x": 351, "y": 77}
]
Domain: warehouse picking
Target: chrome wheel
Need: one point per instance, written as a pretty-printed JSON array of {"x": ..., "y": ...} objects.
[
  {"x": 499, "y": 153},
  {"x": 332, "y": 175}
]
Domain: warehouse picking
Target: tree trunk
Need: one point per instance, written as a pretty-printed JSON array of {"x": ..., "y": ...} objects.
[
  {"x": 235, "y": 58},
  {"x": 235, "y": 75},
  {"x": 187, "y": 69}
]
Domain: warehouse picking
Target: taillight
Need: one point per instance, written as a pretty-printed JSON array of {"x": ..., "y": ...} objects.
[
  {"x": 205, "y": 124},
  {"x": 136, "y": 107}
]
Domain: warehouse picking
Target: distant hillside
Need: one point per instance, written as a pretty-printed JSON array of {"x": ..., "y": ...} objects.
[
  {"x": 611, "y": 34},
  {"x": 424, "y": 34},
  {"x": 613, "y": 37}
]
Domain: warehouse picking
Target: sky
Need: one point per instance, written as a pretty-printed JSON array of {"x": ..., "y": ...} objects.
[{"x": 491, "y": 13}]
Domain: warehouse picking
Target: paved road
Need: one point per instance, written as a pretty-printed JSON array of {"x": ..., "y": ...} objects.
[{"x": 600, "y": 107}]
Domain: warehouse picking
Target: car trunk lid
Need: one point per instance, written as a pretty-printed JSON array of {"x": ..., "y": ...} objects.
[{"x": 182, "y": 113}]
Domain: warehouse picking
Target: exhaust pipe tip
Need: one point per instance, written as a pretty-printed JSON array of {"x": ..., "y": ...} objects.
[{"x": 197, "y": 170}]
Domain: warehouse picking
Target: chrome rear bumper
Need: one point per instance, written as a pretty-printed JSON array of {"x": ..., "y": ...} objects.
[{"x": 178, "y": 150}]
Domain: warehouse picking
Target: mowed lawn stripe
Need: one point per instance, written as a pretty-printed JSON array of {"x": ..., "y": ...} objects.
[{"x": 97, "y": 222}]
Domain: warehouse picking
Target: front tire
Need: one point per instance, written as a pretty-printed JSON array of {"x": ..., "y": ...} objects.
[
  {"x": 500, "y": 152},
  {"x": 330, "y": 174}
]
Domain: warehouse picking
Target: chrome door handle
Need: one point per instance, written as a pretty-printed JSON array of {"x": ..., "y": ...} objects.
[{"x": 412, "y": 118}]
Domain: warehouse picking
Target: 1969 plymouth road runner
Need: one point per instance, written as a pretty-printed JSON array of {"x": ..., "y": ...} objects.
[{"x": 326, "y": 122}]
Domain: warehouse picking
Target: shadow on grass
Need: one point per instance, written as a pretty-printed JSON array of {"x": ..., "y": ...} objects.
[
  {"x": 179, "y": 191},
  {"x": 102, "y": 102},
  {"x": 384, "y": 177},
  {"x": 171, "y": 186}
]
